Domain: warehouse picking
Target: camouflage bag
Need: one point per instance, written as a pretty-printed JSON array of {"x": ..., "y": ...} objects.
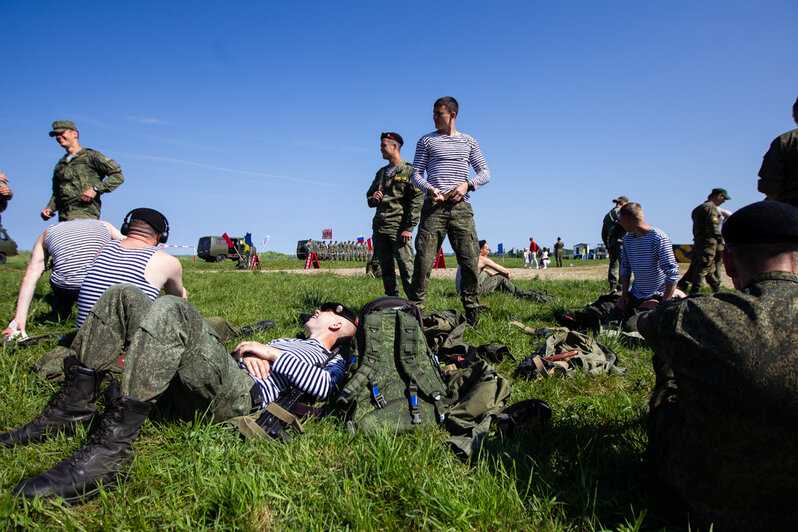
[
  {"x": 394, "y": 382},
  {"x": 566, "y": 352}
]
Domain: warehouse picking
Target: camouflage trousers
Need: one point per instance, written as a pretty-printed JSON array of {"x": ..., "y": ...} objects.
[
  {"x": 387, "y": 247},
  {"x": 489, "y": 284},
  {"x": 79, "y": 210},
  {"x": 164, "y": 348},
  {"x": 706, "y": 264},
  {"x": 438, "y": 220},
  {"x": 614, "y": 254}
]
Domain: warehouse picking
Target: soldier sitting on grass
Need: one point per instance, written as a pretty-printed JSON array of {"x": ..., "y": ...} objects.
[
  {"x": 173, "y": 357},
  {"x": 493, "y": 277},
  {"x": 722, "y": 420}
]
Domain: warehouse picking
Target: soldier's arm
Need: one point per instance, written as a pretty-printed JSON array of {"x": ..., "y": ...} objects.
[
  {"x": 33, "y": 273},
  {"x": 375, "y": 185},
  {"x": 772, "y": 174},
  {"x": 51, "y": 203},
  {"x": 110, "y": 168},
  {"x": 480, "y": 167},
  {"x": 411, "y": 202}
]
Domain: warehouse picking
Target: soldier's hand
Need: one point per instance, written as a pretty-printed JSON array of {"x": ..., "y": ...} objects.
[
  {"x": 88, "y": 195},
  {"x": 377, "y": 196},
  {"x": 3, "y": 178},
  {"x": 406, "y": 236},
  {"x": 435, "y": 194},
  {"x": 623, "y": 302},
  {"x": 46, "y": 214},
  {"x": 458, "y": 192},
  {"x": 257, "y": 366},
  {"x": 257, "y": 349},
  {"x": 649, "y": 304}
]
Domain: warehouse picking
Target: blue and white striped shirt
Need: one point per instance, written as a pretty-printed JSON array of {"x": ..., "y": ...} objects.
[
  {"x": 445, "y": 158},
  {"x": 299, "y": 366},
  {"x": 650, "y": 258},
  {"x": 115, "y": 265},
  {"x": 73, "y": 246}
]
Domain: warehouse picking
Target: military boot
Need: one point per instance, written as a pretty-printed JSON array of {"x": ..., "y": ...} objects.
[
  {"x": 107, "y": 453},
  {"x": 72, "y": 406}
]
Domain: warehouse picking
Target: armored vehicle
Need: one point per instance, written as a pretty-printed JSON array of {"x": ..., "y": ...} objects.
[
  {"x": 8, "y": 247},
  {"x": 215, "y": 248}
]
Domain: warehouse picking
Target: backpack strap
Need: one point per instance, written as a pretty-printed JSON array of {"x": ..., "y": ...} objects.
[{"x": 412, "y": 352}]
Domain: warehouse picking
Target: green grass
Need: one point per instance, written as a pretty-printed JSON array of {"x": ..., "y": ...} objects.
[{"x": 583, "y": 471}]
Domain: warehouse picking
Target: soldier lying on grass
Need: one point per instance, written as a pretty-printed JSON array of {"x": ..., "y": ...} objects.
[{"x": 173, "y": 356}]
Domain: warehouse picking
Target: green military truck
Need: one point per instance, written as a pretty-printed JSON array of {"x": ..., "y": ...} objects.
[
  {"x": 8, "y": 248},
  {"x": 215, "y": 249}
]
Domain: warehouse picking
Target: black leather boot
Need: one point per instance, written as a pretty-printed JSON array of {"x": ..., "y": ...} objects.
[
  {"x": 108, "y": 452},
  {"x": 72, "y": 406}
]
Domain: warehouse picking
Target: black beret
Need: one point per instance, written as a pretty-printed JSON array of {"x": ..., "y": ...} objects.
[
  {"x": 764, "y": 222},
  {"x": 342, "y": 310},
  {"x": 155, "y": 219},
  {"x": 393, "y": 136}
]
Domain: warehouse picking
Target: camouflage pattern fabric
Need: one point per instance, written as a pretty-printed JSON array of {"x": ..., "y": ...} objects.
[
  {"x": 558, "y": 248},
  {"x": 722, "y": 420},
  {"x": 387, "y": 247},
  {"x": 84, "y": 171},
  {"x": 614, "y": 254},
  {"x": 778, "y": 176},
  {"x": 438, "y": 220},
  {"x": 612, "y": 235},
  {"x": 487, "y": 284},
  {"x": 170, "y": 349}
]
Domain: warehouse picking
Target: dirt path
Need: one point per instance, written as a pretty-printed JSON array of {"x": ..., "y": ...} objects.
[{"x": 579, "y": 273}]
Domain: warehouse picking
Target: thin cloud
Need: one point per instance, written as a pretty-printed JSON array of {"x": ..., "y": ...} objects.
[
  {"x": 146, "y": 120},
  {"x": 326, "y": 146},
  {"x": 221, "y": 168}
]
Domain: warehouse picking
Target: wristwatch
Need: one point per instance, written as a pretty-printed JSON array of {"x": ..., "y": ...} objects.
[{"x": 97, "y": 190}]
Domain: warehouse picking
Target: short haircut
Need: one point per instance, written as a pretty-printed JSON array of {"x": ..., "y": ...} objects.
[
  {"x": 633, "y": 210},
  {"x": 448, "y": 102},
  {"x": 482, "y": 243},
  {"x": 140, "y": 226},
  {"x": 753, "y": 256}
]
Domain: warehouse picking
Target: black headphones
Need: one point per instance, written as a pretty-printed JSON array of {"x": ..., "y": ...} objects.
[{"x": 162, "y": 238}]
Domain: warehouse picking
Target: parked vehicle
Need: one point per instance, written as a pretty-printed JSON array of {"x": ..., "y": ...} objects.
[
  {"x": 8, "y": 248},
  {"x": 215, "y": 248}
]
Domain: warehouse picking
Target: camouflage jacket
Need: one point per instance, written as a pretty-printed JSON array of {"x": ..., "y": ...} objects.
[
  {"x": 730, "y": 449},
  {"x": 705, "y": 221},
  {"x": 611, "y": 230},
  {"x": 778, "y": 176},
  {"x": 400, "y": 207},
  {"x": 84, "y": 171}
]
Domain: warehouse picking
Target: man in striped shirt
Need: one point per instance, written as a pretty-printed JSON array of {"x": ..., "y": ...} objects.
[
  {"x": 173, "y": 356},
  {"x": 73, "y": 246},
  {"x": 445, "y": 155},
  {"x": 648, "y": 254}
]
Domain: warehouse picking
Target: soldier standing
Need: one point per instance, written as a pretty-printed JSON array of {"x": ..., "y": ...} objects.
[
  {"x": 778, "y": 176},
  {"x": 445, "y": 155},
  {"x": 398, "y": 205},
  {"x": 79, "y": 178},
  {"x": 5, "y": 194},
  {"x": 707, "y": 242},
  {"x": 558, "y": 246},
  {"x": 612, "y": 235}
]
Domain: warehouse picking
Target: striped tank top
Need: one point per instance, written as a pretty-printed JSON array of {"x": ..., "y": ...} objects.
[
  {"x": 115, "y": 265},
  {"x": 73, "y": 246}
]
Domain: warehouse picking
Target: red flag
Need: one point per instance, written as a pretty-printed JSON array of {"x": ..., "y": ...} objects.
[
  {"x": 369, "y": 243},
  {"x": 227, "y": 239}
]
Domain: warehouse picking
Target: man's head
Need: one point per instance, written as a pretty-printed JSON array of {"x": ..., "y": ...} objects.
[
  {"x": 760, "y": 237},
  {"x": 631, "y": 216},
  {"x": 334, "y": 320},
  {"x": 484, "y": 248},
  {"x": 444, "y": 112},
  {"x": 65, "y": 133},
  {"x": 147, "y": 223},
  {"x": 558, "y": 239},
  {"x": 390, "y": 144},
  {"x": 795, "y": 111},
  {"x": 620, "y": 201},
  {"x": 718, "y": 196}
]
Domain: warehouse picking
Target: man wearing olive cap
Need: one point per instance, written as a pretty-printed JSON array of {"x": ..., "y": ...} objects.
[
  {"x": 722, "y": 419},
  {"x": 398, "y": 205},
  {"x": 175, "y": 358},
  {"x": 612, "y": 235},
  {"x": 79, "y": 178},
  {"x": 707, "y": 244}
]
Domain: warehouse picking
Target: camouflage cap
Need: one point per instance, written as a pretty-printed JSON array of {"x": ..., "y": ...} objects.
[
  {"x": 764, "y": 222},
  {"x": 722, "y": 191},
  {"x": 59, "y": 126},
  {"x": 342, "y": 310},
  {"x": 619, "y": 199}
]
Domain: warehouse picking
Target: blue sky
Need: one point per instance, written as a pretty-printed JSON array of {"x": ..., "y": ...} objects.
[{"x": 264, "y": 117}]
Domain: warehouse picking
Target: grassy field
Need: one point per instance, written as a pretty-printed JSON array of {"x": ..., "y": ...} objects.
[{"x": 582, "y": 471}]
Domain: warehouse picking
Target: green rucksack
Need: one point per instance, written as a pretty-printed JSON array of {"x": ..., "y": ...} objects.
[{"x": 394, "y": 381}]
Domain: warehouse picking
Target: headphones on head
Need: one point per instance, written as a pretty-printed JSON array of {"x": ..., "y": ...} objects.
[{"x": 162, "y": 238}]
